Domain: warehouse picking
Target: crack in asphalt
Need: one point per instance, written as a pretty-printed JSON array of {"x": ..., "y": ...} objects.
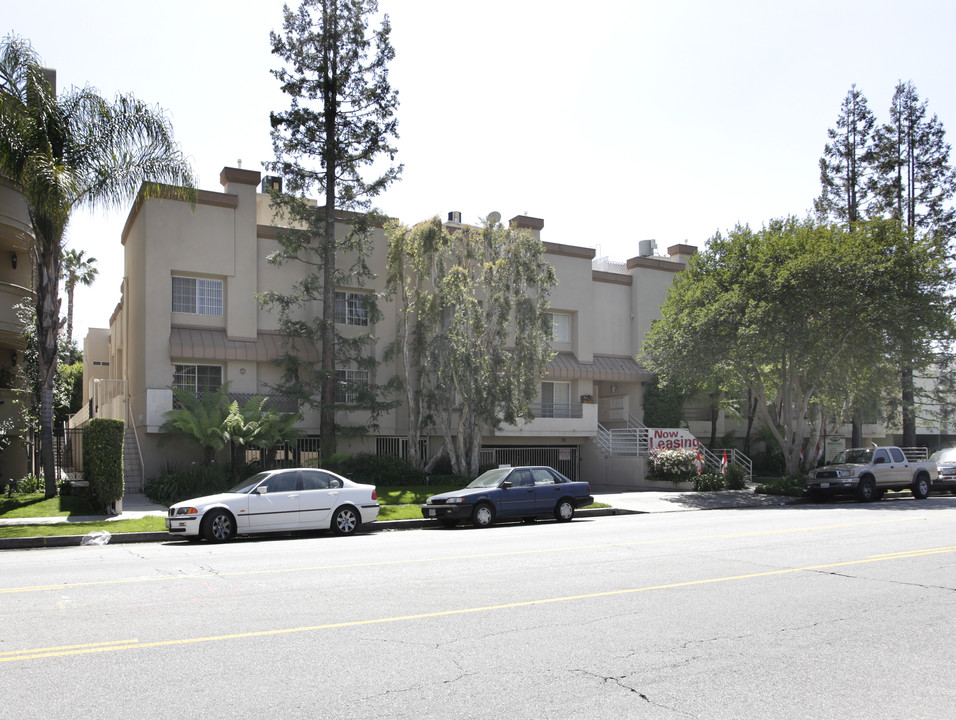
[
  {"x": 619, "y": 680},
  {"x": 883, "y": 580}
]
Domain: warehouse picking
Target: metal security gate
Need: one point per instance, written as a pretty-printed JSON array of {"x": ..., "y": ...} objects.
[{"x": 563, "y": 458}]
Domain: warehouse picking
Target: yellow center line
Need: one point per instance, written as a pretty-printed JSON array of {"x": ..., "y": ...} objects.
[
  {"x": 88, "y": 647},
  {"x": 458, "y": 558},
  {"x": 136, "y": 645}
]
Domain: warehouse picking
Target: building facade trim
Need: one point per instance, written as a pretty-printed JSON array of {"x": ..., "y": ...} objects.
[{"x": 212, "y": 344}]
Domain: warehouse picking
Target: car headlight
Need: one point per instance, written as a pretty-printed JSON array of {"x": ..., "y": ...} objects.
[
  {"x": 455, "y": 500},
  {"x": 846, "y": 473},
  {"x": 187, "y": 511}
]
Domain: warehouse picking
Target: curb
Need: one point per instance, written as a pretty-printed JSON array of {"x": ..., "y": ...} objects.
[{"x": 50, "y": 541}]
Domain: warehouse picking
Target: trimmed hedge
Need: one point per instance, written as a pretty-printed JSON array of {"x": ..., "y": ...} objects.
[{"x": 103, "y": 460}]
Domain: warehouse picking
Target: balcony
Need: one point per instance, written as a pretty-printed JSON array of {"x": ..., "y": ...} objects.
[
  {"x": 10, "y": 296},
  {"x": 555, "y": 420}
]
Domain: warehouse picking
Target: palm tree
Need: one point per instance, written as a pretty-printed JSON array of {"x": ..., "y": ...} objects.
[
  {"x": 76, "y": 269},
  {"x": 63, "y": 153}
]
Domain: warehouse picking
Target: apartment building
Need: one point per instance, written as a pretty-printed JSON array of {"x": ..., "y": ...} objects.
[
  {"x": 16, "y": 282},
  {"x": 188, "y": 317}
]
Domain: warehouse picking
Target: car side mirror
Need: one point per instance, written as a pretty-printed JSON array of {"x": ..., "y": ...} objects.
[
  {"x": 261, "y": 490},
  {"x": 505, "y": 485}
]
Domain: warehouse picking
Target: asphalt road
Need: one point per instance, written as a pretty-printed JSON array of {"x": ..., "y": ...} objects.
[{"x": 835, "y": 611}]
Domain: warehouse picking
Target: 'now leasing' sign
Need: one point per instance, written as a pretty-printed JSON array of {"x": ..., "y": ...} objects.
[{"x": 671, "y": 439}]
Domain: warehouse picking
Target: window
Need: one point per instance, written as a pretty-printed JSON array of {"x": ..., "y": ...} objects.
[
  {"x": 350, "y": 383},
  {"x": 197, "y": 379},
  {"x": 556, "y": 399},
  {"x": 197, "y": 296},
  {"x": 561, "y": 327},
  {"x": 351, "y": 308}
]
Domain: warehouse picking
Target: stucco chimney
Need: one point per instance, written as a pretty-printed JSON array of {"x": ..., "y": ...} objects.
[{"x": 523, "y": 222}]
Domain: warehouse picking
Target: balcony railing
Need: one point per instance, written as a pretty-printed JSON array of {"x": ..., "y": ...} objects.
[{"x": 557, "y": 410}]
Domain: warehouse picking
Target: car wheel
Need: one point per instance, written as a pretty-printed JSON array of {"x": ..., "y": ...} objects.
[
  {"x": 866, "y": 490},
  {"x": 345, "y": 521},
  {"x": 483, "y": 515},
  {"x": 449, "y": 523},
  {"x": 921, "y": 487},
  {"x": 564, "y": 510},
  {"x": 218, "y": 526}
]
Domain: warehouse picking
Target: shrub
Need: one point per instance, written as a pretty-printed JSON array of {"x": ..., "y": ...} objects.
[
  {"x": 384, "y": 470},
  {"x": 103, "y": 460},
  {"x": 27, "y": 485},
  {"x": 673, "y": 465},
  {"x": 194, "y": 481},
  {"x": 736, "y": 477},
  {"x": 708, "y": 482},
  {"x": 792, "y": 485}
]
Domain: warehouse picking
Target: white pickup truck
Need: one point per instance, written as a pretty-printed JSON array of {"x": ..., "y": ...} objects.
[{"x": 869, "y": 472}]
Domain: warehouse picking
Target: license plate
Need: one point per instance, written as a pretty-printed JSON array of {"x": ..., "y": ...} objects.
[
  {"x": 430, "y": 513},
  {"x": 824, "y": 485}
]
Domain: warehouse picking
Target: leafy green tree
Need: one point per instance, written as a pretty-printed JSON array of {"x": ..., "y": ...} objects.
[
  {"x": 913, "y": 186},
  {"x": 416, "y": 261},
  {"x": 62, "y": 153},
  {"x": 760, "y": 306},
  {"x": 493, "y": 341},
  {"x": 663, "y": 404},
  {"x": 341, "y": 121},
  {"x": 77, "y": 268}
]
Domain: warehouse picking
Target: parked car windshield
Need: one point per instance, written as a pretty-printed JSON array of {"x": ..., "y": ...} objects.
[
  {"x": 947, "y": 455},
  {"x": 492, "y": 478},
  {"x": 246, "y": 486},
  {"x": 862, "y": 456}
]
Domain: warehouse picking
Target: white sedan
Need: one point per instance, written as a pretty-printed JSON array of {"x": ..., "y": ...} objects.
[{"x": 277, "y": 501}]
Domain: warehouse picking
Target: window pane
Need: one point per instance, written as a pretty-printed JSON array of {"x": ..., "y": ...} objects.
[
  {"x": 209, "y": 297},
  {"x": 561, "y": 327},
  {"x": 184, "y": 377},
  {"x": 184, "y": 295}
]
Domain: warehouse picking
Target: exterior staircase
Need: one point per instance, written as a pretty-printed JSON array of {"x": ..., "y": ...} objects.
[
  {"x": 632, "y": 440},
  {"x": 132, "y": 467}
]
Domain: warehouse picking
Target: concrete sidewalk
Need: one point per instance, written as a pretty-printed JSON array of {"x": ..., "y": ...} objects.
[{"x": 622, "y": 503}]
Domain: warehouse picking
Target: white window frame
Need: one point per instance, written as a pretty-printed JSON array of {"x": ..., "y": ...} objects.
[
  {"x": 351, "y": 308},
  {"x": 349, "y": 396},
  {"x": 555, "y": 408},
  {"x": 197, "y": 296},
  {"x": 182, "y": 370},
  {"x": 561, "y": 327}
]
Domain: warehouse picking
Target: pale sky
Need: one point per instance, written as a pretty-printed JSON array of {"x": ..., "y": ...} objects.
[{"x": 613, "y": 121}]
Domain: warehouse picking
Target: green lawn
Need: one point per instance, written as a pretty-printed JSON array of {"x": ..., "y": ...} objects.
[{"x": 32, "y": 505}]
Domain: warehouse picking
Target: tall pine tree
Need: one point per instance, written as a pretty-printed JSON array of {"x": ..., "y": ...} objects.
[
  {"x": 845, "y": 162},
  {"x": 340, "y": 121},
  {"x": 845, "y": 169},
  {"x": 912, "y": 186}
]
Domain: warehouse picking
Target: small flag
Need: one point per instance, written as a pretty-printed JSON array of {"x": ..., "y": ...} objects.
[
  {"x": 700, "y": 463},
  {"x": 723, "y": 464}
]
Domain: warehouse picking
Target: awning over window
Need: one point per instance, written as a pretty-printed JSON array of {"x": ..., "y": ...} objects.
[
  {"x": 565, "y": 366},
  {"x": 212, "y": 344}
]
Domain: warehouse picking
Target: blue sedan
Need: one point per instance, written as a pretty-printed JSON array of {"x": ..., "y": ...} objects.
[{"x": 510, "y": 492}]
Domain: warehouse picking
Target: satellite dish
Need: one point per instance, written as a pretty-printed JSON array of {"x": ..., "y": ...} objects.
[{"x": 494, "y": 216}]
